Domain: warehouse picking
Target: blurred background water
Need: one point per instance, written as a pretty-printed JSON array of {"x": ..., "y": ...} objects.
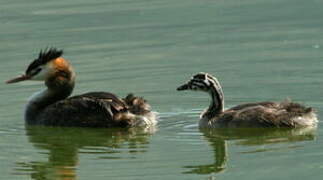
[{"x": 259, "y": 50}]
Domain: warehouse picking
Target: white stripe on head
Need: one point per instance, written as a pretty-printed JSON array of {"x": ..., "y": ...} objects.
[
  {"x": 206, "y": 79},
  {"x": 198, "y": 84}
]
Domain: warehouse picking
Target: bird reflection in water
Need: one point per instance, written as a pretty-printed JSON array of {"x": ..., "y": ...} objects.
[
  {"x": 63, "y": 146},
  {"x": 246, "y": 137}
]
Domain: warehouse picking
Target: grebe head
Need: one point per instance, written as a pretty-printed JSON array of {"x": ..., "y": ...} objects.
[
  {"x": 47, "y": 65},
  {"x": 205, "y": 82},
  {"x": 201, "y": 82}
]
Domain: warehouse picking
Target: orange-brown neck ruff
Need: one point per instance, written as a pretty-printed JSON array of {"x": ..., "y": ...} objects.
[
  {"x": 60, "y": 64},
  {"x": 61, "y": 74}
]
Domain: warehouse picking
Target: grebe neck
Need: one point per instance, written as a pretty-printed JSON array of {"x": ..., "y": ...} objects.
[
  {"x": 216, "y": 105},
  {"x": 58, "y": 88}
]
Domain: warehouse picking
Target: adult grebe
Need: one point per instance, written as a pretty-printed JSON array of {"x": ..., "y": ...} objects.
[
  {"x": 94, "y": 109},
  {"x": 259, "y": 114}
]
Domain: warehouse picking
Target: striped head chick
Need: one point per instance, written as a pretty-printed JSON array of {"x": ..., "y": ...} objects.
[
  {"x": 205, "y": 82},
  {"x": 202, "y": 82}
]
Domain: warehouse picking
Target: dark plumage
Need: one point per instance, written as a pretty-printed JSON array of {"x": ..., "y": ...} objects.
[
  {"x": 259, "y": 114},
  {"x": 95, "y": 109},
  {"x": 137, "y": 104}
]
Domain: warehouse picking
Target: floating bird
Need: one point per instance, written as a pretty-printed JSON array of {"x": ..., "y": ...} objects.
[
  {"x": 257, "y": 114},
  {"x": 52, "y": 106}
]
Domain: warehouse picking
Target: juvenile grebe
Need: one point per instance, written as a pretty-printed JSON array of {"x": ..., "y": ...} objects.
[
  {"x": 259, "y": 114},
  {"x": 95, "y": 109}
]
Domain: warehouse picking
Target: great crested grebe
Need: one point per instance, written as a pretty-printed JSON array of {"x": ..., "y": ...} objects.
[
  {"x": 95, "y": 109},
  {"x": 258, "y": 114}
]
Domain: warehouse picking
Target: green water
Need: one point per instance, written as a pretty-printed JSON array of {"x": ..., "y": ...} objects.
[{"x": 259, "y": 50}]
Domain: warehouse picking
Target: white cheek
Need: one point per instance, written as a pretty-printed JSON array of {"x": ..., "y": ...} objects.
[{"x": 42, "y": 75}]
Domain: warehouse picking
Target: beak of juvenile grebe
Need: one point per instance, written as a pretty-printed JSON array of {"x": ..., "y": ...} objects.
[
  {"x": 18, "y": 79},
  {"x": 183, "y": 87}
]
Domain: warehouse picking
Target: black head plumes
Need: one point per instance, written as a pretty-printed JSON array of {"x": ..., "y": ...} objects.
[{"x": 44, "y": 57}]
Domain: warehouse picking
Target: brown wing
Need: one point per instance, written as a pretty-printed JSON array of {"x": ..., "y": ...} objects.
[
  {"x": 88, "y": 110},
  {"x": 253, "y": 116},
  {"x": 268, "y": 104},
  {"x": 116, "y": 103},
  {"x": 265, "y": 114}
]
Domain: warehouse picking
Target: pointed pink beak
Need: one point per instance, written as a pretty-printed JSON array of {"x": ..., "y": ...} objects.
[{"x": 18, "y": 79}]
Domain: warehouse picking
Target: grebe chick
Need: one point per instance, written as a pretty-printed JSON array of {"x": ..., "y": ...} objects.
[
  {"x": 258, "y": 114},
  {"x": 95, "y": 109}
]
